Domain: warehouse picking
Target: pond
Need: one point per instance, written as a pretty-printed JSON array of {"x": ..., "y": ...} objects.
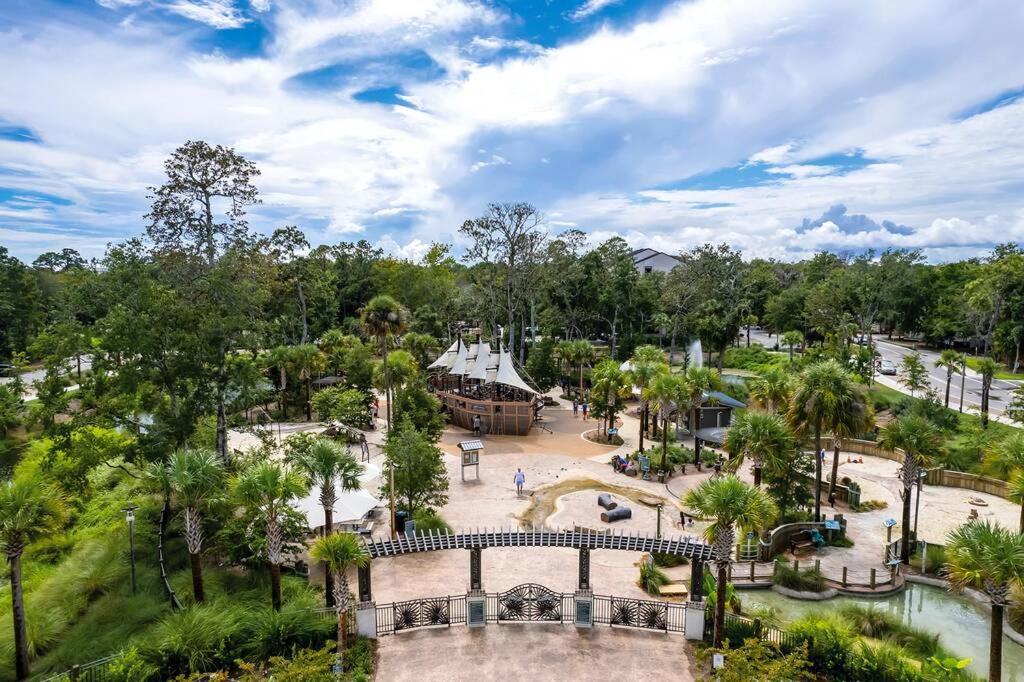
[{"x": 962, "y": 625}]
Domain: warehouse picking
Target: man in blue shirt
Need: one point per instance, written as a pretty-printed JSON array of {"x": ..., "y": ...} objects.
[{"x": 520, "y": 480}]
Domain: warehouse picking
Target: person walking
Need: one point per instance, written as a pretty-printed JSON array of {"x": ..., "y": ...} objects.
[
  {"x": 584, "y": 407},
  {"x": 476, "y": 425},
  {"x": 520, "y": 480},
  {"x": 575, "y": 407}
]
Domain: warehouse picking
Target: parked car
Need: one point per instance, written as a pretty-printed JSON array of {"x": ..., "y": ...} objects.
[
  {"x": 886, "y": 367},
  {"x": 6, "y": 370}
]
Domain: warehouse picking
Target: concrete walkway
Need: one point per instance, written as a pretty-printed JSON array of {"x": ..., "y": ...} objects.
[{"x": 533, "y": 652}]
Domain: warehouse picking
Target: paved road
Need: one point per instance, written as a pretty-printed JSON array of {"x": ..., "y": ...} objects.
[
  {"x": 29, "y": 378},
  {"x": 999, "y": 396}
]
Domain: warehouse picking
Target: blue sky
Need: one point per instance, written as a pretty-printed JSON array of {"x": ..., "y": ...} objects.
[{"x": 782, "y": 128}]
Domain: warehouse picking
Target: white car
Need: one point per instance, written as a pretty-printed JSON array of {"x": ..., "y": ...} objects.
[{"x": 886, "y": 367}]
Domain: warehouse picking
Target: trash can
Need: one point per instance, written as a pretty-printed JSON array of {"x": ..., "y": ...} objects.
[
  {"x": 410, "y": 527},
  {"x": 401, "y": 516}
]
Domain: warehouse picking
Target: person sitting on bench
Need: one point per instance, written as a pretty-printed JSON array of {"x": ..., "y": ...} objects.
[{"x": 817, "y": 538}]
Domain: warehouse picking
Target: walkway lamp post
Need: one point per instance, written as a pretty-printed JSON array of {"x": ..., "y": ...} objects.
[
  {"x": 917, "y": 502},
  {"x": 129, "y": 512}
]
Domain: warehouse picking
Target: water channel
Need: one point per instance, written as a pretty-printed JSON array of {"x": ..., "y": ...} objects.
[{"x": 962, "y": 624}]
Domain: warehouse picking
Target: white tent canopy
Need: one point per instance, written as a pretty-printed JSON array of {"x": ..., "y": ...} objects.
[
  {"x": 351, "y": 506},
  {"x": 447, "y": 358}
]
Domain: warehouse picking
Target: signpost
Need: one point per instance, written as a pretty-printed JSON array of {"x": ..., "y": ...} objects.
[{"x": 470, "y": 450}]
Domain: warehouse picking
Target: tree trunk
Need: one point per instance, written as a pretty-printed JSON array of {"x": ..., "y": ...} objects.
[
  {"x": 302, "y": 311},
  {"x": 748, "y": 337},
  {"x": 197, "y": 577},
  {"x": 664, "y": 442},
  {"x": 643, "y": 424},
  {"x": 275, "y": 586},
  {"x": 995, "y": 645},
  {"x": 342, "y": 635},
  {"x": 284, "y": 398},
  {"x": 581, "y": 381},
  {"x": 835, "y": 467},
  {"x": 328, "y": 575},
  {"x": 949, "y": 380},
  {"x": 905, "y": 534},
  {"x": 817, "y": 472},
  {"x": 309, "y": 398},
  {"x": 222, "y": 424},
  {"x": 986, "y": 386},
  {"x": 21, "y": 662},
  {"x": 387, "y": 387},
  {"x": 757, "y": 474},
  {"x": 963, "y": 382},
  {"x": 720, "y": 589}
]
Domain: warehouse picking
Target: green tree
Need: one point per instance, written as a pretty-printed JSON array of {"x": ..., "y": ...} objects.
[
  {"x": 339, "y": 553},
  {"x": 701, "y": 381},
  {"x": 349, "y": 406},
  {"x": 266, "y": 489},
  {"x": 421, "y": 408},
  {"x": 921, "y": 442},
  {"x": 280, "y": 357},
  {"x": 541, "y": 366},
  {"x": 196, "y": 478},
  {"x": 422, "y": 347},
  {"x": 1015, "y": 408},
  {"x": 10, "y": 409},
  {"x": 384, "y": 319},
  {"x": 989, "y": 558},
  {"x": 669, "y": 391},
  {"x": 823, "y": 396},
  {"x": 307, "y": 360},
  {"x": 647, "y": 363},
  {"x": 772, "y": 389},
  {"x": 330, "y": 467},
  {"x": 987, "y": 368},
  {"x": 610, "y": 385},
  {"x": 29, "y": 510},
  {"x": 915, "y": 374},
  {"x": 760, "y": 660},
  {"x": 732, "y": 504},
  {"x": 792, "y": 338},
  {"x": 762, "y": 436},
  {"x": 420, "y": 475},
  {"x": 953, "y": 363}
]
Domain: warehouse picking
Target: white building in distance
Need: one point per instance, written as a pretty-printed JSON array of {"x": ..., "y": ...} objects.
[{"x": 649, "y": 260}]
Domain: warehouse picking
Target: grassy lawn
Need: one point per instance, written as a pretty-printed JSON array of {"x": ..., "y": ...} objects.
[{"x": 1003, "y": 373}]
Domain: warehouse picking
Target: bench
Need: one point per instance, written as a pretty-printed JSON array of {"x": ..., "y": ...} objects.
[{"x": 674, "y": 590}]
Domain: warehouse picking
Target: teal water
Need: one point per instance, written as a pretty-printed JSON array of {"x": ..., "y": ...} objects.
[{"x": 962, "y": 625}]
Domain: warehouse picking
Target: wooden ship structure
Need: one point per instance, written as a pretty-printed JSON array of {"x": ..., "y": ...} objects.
[{"x": 475, "y": 380}]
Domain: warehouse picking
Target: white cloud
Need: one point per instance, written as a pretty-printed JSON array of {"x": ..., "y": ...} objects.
[
  {"x": 591, "y": 7},
  {"x": 495, "y": 160},
  {"x": 260, "y": 5},
  {"x": 216, "y": 13},
  {"x": 802, "y": 171}
]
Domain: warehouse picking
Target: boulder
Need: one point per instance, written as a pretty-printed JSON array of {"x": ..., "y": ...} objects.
[{"x": 617, "y": 514}]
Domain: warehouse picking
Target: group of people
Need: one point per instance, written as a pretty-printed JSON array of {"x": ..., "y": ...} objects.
[{"x": 577, "y": 406}]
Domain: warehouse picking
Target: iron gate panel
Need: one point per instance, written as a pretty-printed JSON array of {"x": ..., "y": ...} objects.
[
  {"x": 417, "y": 613},
  {"x": 530, "y": 602},
  {"x": 638, "y": 613}
]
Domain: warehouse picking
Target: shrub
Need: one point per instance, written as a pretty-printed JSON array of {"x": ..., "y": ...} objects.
[
  {"x": 829, "y": 647},
  {"x": 754, "y": 659},
  {"x": 869, "y": 505},
  {"x": 131, "y": 667},
  {"x": 268, "y": 633},
  {"x": 428, "y": 519},
  {"x": 754, "y": 359},
  {"x": 839, "y": 541},
  {"x": 202, "y": 637},
  {"x": 936, "y": 559},
  {"x": 737, "y": 631},
  {"x": 669, "y": 560},
  {"x": 651, "y": 578},
  {"x": 870, "y": 621},
  {"x": 807, "y": 580}
]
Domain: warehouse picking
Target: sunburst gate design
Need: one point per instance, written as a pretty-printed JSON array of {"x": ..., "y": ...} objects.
[
  {"x": 530, "y": 602},
  {"x": 422, "y": 613},
  {"x": 637, "y": 613}
]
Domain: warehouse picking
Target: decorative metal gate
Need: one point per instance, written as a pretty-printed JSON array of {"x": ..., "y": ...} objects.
[
  {"x": 417, "y": 613},
  {"x": 530, "y": 602},
  {"x": 635, "y": 613}
]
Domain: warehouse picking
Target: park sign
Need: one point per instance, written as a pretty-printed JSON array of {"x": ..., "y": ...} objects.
[{"x": 470, "y": 450}]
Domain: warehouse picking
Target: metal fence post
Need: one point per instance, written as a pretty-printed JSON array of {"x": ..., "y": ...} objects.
[
  {"x": 872, "y": 578},
  {"x": 73, "y": 673},
  {"x": 751, "y": 571},
  {"x": 844, "y": 576},
  {"x": 796, "y": 565},
  {"x": 817, "y": 564}
]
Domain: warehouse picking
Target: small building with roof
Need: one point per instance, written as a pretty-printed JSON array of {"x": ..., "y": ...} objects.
[{"x": 650, "y": 260}]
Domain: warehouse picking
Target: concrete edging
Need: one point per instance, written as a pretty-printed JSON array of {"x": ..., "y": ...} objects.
[
  {"x": 805, "y": 596},
  {"x": 973, "y": 595}
]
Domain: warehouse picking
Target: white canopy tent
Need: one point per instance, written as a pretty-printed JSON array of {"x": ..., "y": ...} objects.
[{"x": 350, "y": 507}]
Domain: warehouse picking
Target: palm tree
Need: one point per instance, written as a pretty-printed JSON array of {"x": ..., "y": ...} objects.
[
  {"x": 763, "y": 436},
  {"x": 731, "y": 503},
  {"x": 921, "y": 441},
  {"x": 328, "y": 466},
  {"x": 281, "y": 358},
  {"x": 1016, "y": 494},
  {"x": 824, "y": 394},
  {"x": 421, "y": 346},
  {"x": 195, "y": 478},
  {"x": 339, "y": 553},
  {"x": 855, "y": 418},
  {"x": 383, "y": 318},
  {"x": 987, "y": 368},
  {"x": 952, "y": 362},
  {"x": 267, "y": 489},
  {"x": 988, "y": 557},
  {"x": 583, "y": 352},
  {"x": 772, "y": 389},
  {"x": 308, "y": 360},
  {"x": 28, "y": 510},
  {"x": 647, "y": 363},
  {"x": 668, "y": 391},
  {"x": 611, "y": 383},
  {"x": 792, "y": 338},
  {"x": 701, "y": 381}
]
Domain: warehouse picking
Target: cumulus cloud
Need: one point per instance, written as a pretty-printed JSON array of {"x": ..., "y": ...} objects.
[
  {"x": 591, "y": 7},
  {"x": 216, "y": 13}
]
